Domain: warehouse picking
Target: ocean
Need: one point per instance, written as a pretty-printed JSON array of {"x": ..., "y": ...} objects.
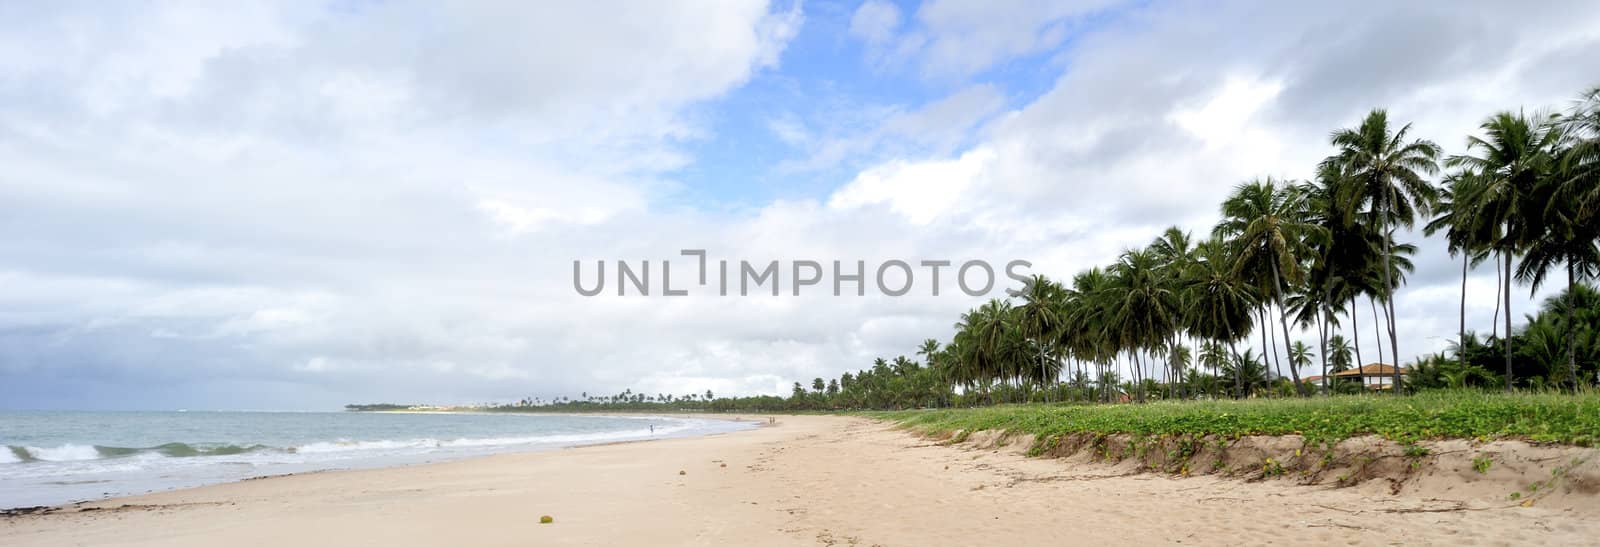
[{"x": 51, "y": 458}]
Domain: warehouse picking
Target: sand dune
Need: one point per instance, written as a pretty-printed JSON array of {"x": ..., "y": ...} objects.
[{"x": 805, "y": 481}]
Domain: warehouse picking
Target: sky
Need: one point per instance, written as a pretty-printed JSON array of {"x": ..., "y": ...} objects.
[{"x": 298, "y": 205}]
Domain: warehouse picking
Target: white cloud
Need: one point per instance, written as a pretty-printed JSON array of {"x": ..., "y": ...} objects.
[
  {"x": 269, "y": 190},
  {"x": 875, "y": 21},
  {"x": 922, "y": 192},
  {"x": 957, "y": 38},
  {"x": 287, "y": 205},
  {"x": 1224, "y": 117}
]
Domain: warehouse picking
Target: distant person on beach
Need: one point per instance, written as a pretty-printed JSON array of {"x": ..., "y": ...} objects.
[{"x": 652, "y": 429}]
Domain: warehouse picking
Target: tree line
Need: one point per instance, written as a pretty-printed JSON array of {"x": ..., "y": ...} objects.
[
  {"x": 1522, "y": 194},
  {"x": 1184, "y": 316}
]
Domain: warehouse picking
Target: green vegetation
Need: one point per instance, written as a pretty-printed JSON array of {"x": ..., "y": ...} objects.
[
  {"x": 1481, "y": 464},
  {"x": 376, "y": 407},
  {"x": 1559, "y": 418}
]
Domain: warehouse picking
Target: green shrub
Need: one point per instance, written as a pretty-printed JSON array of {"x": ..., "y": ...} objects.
[{"x": 1538, "y": 417}]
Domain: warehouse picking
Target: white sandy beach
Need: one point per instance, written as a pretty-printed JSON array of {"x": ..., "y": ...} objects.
[{"x": 811, "y": 480}]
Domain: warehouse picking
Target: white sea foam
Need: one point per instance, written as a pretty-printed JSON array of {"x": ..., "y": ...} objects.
[
  {"x": 170, "y": 451},
  {"x": 64, "y": 453},
  {"x": 346, "y": 445}
]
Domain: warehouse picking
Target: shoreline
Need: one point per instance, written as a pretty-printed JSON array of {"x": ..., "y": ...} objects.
[
  {"x": 812, "y": 480},
  {"x": 370, "y": 462}
]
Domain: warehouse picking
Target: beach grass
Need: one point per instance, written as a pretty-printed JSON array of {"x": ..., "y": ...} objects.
[{"x": 1537, "y": 417}]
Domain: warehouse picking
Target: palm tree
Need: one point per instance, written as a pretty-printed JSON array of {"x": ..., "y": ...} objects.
[
  {"x": 1272, "y": 231},
  {"x": 1386, "y": 175},
  {"x": 1516, "y": 153},
  {"x": 993, "y": 341},
  {"x": 1339, "y": 357},
  {"x": 1084, "y": 331},
  {"x": 1299, "y": 356},
  {"x": 1464, "y": 234},
  {"x": 1143, "y": 309},
  {"x": 928, "y": 350},
  {"x": 1214, "y": 356},
  {"x": 1248, "y": 373},
  {"x": 1217, "y": 302},
  {"x": 1568, "y": 238},
  {"x": 1039, "y": 319},
  {"x": 1175, "y": 249},
  {"x": 1340, "y": 263},
  {"x": 1571, "y": 198},
  {"x": 1178, "y": 359},
  {"x": 1582, "y": 160}
]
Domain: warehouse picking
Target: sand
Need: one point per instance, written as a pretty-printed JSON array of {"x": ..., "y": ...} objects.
[{"x": 809, "y": 480}]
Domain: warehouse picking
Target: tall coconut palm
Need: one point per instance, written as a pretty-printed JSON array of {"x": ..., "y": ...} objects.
[
  {"x": 964, "y": 366},
  {"x": 1039, "y": 319},
  {"x": 1338, "y": 263},
  {"x": 1271, "y": 228},
  {"x": 1464, "y": 234},
  {"x": 1178, "y": 359},
  {"x": 1217, "y": 301},
  {"x": 1214, "y": 356},
  {"x": 1300, "y": 355},
  {"x": 1386, "y": 171},
  {"x": 1143, "y": 309},
  {"x": 1085, "y": 332},
  {"x": 1175, "y": 249},
  {"x": 1515, "y": 153},
  {"x": 1569, "y": 238},
  {"x": 996, "y": 343},
  {"x": 1582, "y": 160},
  {"x": 1339, "y": 354},
  {"x": 1571, "y": 212},
  {"x": 928, "y": 350}
]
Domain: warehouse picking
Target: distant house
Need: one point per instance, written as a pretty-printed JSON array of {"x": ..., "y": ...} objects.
[{"x": 1377, "y": 376}]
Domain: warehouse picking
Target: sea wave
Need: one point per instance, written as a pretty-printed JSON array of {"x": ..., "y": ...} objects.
[
  {"x": 17, "y": 454},
  {"x": 85, "y": 452}
]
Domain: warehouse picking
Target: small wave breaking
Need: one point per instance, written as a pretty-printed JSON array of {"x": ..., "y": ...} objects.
[
  {"x": 19, "y": 454},
  {"x": 84, "y": 452}
]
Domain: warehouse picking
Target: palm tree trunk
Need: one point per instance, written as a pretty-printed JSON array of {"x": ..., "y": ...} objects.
[
  {"x": 1355, "y": 330},
  {"x": 1377, "y": 328},
  {"x": 1238, "y": 379},
  {"x": 1277, "y": 363},
  {"x": 1177, "y": 368},
  {"x": 1494, "y": 323},
  {"x": 1077, "y": 372},
  {"x": 1388, "y": 299},
  {"x": 1322, "y": 332},
  {"x": 1099, "y": 379},
  {"x": 1042, "y": 375},
  {"x": 1138, "y": 372},
  {"x": 1461, "y": 337},
  {"x": 1261, "y": 317},
  {"x": 1572, "y": 347},
  {"x": 1506, "y": 294},
  {"x": 1238, "y": 382},
  {"x": 1283, "y": 321}
]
